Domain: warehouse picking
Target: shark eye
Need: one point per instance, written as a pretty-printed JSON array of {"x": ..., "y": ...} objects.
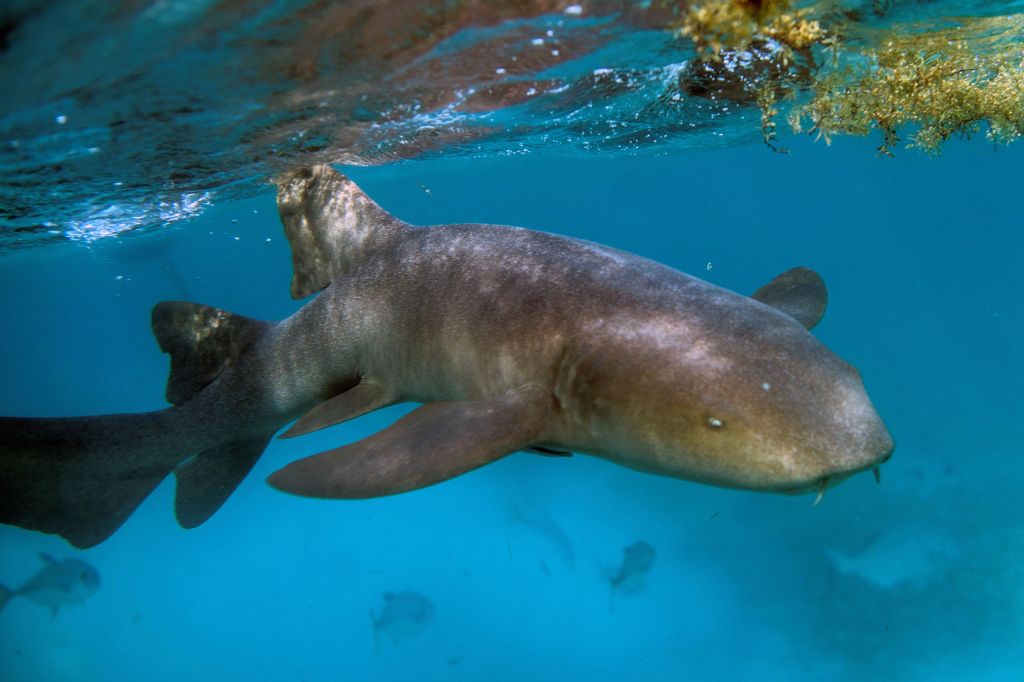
[{"x": 715, "y": 422}]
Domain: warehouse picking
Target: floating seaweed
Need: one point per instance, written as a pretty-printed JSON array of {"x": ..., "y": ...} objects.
[
  {"x": 721, "y": 25},
  {"x": 940, "y": 79},
  {"x": 940, "y": 87}
]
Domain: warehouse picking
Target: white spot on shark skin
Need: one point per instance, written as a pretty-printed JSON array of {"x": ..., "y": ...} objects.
[
  {"x": 573, "y": 10},
  {"x": 766, "y": 386}
]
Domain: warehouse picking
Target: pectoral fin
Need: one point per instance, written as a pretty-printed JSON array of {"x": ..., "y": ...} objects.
[
  {"x": 355, "y": 402},
  {"x": 431, "y": 444}
]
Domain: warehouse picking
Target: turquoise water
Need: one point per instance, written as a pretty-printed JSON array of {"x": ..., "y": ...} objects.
[
  {"x": 919, "y": 578},
  {"x": 922, "y": 260}
]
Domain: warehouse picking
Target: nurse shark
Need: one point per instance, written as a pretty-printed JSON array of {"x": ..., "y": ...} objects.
[{"x": 512, "y": 339}]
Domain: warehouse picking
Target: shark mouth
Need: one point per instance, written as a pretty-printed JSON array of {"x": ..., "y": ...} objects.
[{"x": 821, "y": 485}]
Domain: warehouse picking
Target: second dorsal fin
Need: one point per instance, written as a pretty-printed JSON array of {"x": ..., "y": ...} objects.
[
  {"x": 331, "y": 224},
  {"x": 201, "y": 341}
]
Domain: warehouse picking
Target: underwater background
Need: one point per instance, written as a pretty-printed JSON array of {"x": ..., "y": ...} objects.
[{"x": 919, "y": 578}]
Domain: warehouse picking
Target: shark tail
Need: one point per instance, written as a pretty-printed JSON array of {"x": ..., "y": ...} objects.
[
  {"x": 82, "y": 477},
  {"x": 79, "y": 477},
  {"x": 5, "y": 596}
]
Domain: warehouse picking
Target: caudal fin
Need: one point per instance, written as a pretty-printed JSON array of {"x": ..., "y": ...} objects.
[{"x": 80, "y": 477}]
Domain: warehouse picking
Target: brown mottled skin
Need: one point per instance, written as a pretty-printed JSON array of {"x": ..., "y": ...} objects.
[
  {"x": 628, "y": 358},
  {"x": 513, "y": 338}
]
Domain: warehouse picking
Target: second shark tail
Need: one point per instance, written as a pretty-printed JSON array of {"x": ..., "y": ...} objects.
[{"x": 82, "y": 477}]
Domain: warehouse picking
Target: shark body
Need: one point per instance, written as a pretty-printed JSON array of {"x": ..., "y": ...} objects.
[{"x": 512, "y": 339}]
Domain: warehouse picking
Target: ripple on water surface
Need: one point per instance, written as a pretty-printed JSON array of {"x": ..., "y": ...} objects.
[{"x": 141, "y": 114}]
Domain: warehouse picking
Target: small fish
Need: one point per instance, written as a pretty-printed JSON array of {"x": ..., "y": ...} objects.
[
  {"x": 636, "y": 563},
  {"x": 404, "y": 614},
  {"x": 908, "y": 556},
  {"x": 56, "y": 584},
  {"x": 552, "y": 539}
]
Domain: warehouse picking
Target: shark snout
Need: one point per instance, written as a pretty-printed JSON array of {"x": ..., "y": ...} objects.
[
  {"x": 875, "y": 451},
  {"x": 878, "y": 453},
  {"x": 880, "y": 446},
  {"x": 883, "y": 456},
  {"x": 886, "y": 454},
  {"x": 866, "y": 440}
]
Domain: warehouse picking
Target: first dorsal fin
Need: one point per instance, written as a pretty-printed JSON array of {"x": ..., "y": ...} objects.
[
  {"x": 798, "y": 292},
  {"x": 330, "y": 224},
  {"x": 201, "y": 341}
]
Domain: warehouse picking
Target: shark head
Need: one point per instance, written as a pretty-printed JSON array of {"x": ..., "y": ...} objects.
[{"x": 743, "y": 396}]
